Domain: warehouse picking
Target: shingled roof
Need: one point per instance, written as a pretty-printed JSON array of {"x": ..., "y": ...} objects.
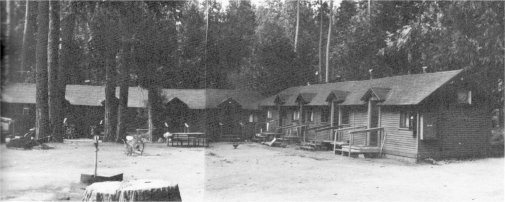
[
  {"x": 380, "y": 94},
  {"x": 395, "y": 90},
  {"x": 87, "y": 95},
  {"x": 305, "y": 97},
  {"x": 337, "y": 96}
]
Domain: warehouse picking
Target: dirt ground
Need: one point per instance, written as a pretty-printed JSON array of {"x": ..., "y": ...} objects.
[{"x": 252, "y": 172}]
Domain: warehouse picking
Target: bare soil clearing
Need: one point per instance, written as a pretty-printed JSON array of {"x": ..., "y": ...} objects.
[{"x": 252, "y": 172}]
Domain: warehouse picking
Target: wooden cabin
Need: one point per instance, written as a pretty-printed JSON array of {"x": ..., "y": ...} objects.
[
  {"x": 216, "y": 112},
  {"x": 431, "y": 115}
]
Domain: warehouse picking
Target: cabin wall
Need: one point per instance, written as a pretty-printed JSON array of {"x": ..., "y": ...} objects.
[
  {"x": 207, "y": 121},
  {"x": 358, "y": 116},
  {"x": 315, "y": 123},
  {"x": 273, "y": 121},
  {"x": 399, "y": 141},
  {"x": 463, "y": 129},
  {"x": 22, "y": 122},
  {"x": 463, "y": 132}
]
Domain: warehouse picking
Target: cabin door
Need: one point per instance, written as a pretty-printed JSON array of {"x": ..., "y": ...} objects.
[
  {"x": 230, "y": 120},
  {"x": 176, "y": 116},
  {"x": 282, "y": 114},
  {"x": 428, "y": 126},
  {"x": 374, "y": 123}
]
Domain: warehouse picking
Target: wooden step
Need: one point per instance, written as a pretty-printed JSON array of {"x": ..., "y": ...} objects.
[{"x": 360, "y": 149}]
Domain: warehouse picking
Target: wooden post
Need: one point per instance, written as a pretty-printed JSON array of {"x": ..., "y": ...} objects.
[
  {"x": 351, "y": 137},
  {"x": 369, "y": 121},
  {"x": 279, "y": 117},
  {"x": 340, "y": 121},
  {"x": 300, "y": 119},
  {"x": 339, "y": 115},
  {"x": 334, "y": 143},
  {"x": 332, "y": 117}
]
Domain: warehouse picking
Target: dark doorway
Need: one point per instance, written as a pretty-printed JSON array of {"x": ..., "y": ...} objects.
[
  {"x": 230, "y": 119},
  {"x": 176, "y": 116}
]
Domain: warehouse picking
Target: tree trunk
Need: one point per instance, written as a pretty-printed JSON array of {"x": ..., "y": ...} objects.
[
  {"x": 110, "y": 99},
  {"x": 152, "y": 97},
  {"x": 124, "y": 70},
  {"x": 320, "y": 73},
  {"x": 330, "y": 21},
  {"x": 150, "y": 112},
  {"x": 42, "y": 111},
  {"x": 297, "y": 22},
  {"x": 67, "y": 33},
  {"x": 137, "y": 190},
  {"x": 9, "y": 49},
  {"x": 55, "y": 99},
  {"x": 29, "y": 28}
]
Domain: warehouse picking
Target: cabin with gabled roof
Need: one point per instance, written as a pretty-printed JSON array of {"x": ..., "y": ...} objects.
[
  {"x": 216, "y": 112},
  {"x": 431, "y": 115}
]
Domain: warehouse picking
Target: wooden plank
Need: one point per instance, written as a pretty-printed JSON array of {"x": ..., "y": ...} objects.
[
  {"x": 361, "y": 149},
  {"x": 319, "y": 127},
  {"x": 327, "y": 128},
  {"x": 366, "y": 130}
]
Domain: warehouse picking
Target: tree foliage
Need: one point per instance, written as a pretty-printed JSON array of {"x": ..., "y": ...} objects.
[{"x": 251, "y": 45}]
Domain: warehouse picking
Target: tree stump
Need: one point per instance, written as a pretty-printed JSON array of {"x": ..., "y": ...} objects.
[{"x": 137, "y": 190}]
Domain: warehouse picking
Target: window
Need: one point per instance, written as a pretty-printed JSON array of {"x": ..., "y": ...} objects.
[
  {"x": 345, "y": 116},
  {"x": 26, "y": 110},
  {"x": 309, "y": 115},
  {"x": 251, "y": 118},
  {"x": 325, "y": 114},
  {"x": 296, "y": 115},
  {"x": 408, "y": 120},
  {"x": 464, "y": 97},
  {"x": 269, "y": 114}
]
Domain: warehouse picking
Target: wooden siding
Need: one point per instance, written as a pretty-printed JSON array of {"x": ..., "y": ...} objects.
[
  {"x": 358, "y": 116},
  {"x": 464, "y": 131},
  {"x": 23, "y": 122},
  {"x": 317, "y": 122},
  {"x": 399, "y": 141}
]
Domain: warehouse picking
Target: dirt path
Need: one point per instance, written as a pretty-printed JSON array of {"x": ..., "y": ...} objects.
[{"x": 252, "y": 172}]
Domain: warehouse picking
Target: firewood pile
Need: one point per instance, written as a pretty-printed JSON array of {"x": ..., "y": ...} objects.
[{"x": 137, "y": 190}]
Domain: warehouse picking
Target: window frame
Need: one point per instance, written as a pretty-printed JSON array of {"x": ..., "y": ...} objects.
[
  {"x": 309, "y": 115},
  {"x": 465, "y": 92},
  {"x": 25, "y": 111},
  {"x": 412, "y": 124},
  {"x": 295, "y": 116}
]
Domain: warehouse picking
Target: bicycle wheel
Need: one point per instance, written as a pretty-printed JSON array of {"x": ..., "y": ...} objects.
[{"x": 140, "y": 147}]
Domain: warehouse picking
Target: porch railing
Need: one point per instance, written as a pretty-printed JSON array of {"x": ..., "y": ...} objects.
[
  {"x": 340, "y": 134},
  {"x": 378, "y": 132}
]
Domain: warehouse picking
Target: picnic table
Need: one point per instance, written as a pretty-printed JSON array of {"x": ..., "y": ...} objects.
[
  {"x": 192, "y": 139},
  {"x": 267, "y": 136}
]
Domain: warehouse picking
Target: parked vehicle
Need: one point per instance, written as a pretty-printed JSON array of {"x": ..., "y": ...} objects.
[{"x": 7, "y": 128}]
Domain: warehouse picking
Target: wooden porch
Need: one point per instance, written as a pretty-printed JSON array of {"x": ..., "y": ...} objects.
[{"x": 373, "y": 145}]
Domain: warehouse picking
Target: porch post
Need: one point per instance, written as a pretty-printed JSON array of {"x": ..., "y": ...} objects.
[
  {"x": 278, "y": 117},
  {"x": 339, "y": 115},
  {"x": 369, "y": 125},
  {"x": 300, "y": 119},
  {"x": 332, "y": 117}
]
